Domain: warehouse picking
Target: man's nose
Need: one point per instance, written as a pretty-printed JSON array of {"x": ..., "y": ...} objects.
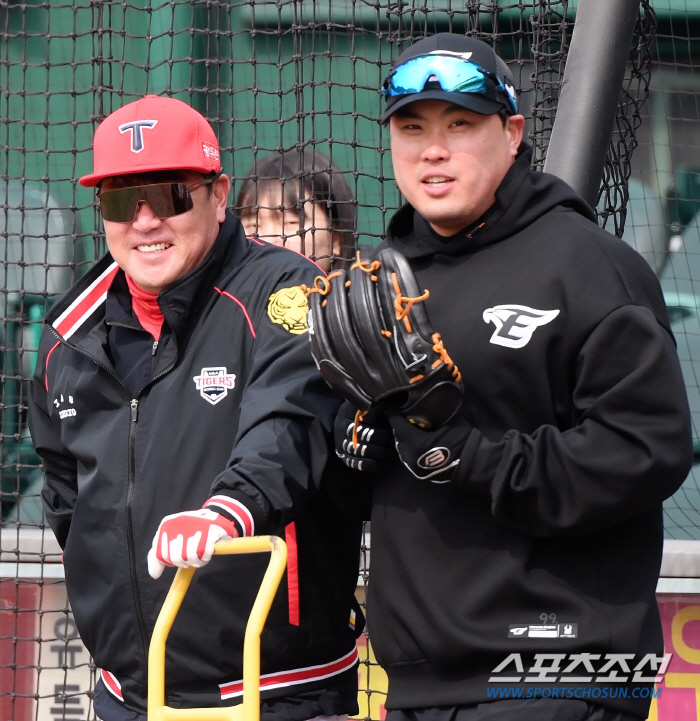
[
  {"x": 273, "y": 230},
  {"x": 145, "y": 218},
  {"x": 436, "y": 151}
]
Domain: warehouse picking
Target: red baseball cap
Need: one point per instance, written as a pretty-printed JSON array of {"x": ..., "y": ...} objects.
[{"x": 150, "y": 134}]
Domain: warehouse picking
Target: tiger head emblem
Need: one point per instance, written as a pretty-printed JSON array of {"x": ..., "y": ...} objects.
[{"x": 288, "y": 308}]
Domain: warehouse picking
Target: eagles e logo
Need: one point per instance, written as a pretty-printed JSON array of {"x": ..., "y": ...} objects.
[
  {"x": 515, "y": 324},
  {"x": 288, "y": 308}
]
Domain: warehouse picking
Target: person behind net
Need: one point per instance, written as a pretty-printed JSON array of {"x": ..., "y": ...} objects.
[
  {"x": 302, "y": 201},
  {"x": 516, "y": 549},
  {"x": 175, "y": 403}
]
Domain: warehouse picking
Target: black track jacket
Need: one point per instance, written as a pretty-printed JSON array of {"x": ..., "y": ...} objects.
[
  {"x": 237, "y": 408},
  {"x": 553, "y": 518}
]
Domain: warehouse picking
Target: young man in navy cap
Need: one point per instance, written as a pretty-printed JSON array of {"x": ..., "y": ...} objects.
[
  {"x": 175, "y": 403},
  {"x": 515, "y": 577}
]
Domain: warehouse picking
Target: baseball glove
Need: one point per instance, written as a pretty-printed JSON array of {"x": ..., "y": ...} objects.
[{"x": 374, "y": 344}]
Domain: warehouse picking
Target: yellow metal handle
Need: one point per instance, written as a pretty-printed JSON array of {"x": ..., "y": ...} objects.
[{"x": 249, "y": 710}]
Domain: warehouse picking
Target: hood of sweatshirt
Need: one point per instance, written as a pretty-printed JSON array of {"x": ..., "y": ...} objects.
[{"x": 522, "y": 198}]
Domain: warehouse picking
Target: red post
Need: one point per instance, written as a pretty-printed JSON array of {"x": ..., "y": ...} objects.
[{"x": 19, "y": 616}]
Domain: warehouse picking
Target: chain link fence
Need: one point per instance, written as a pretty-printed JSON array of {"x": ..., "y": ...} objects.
[{"x": 275, "y": 76}]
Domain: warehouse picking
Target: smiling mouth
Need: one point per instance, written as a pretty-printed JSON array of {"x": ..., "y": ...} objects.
[
  {"x": 437, "y": 181},
  {"x": 152, "y": 248}
]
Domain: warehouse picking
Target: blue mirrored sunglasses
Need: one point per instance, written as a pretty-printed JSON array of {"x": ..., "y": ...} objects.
[{"x": 454, "y": 74}]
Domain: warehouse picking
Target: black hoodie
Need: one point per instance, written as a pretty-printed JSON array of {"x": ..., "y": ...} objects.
[{"x": 581, "y": 430}]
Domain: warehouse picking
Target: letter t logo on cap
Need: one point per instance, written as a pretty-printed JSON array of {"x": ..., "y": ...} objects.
[{"x": 136, "y": 134}]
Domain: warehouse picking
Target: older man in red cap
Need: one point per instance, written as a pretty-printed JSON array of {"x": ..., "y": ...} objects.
[{"x": 175, "y": 403}]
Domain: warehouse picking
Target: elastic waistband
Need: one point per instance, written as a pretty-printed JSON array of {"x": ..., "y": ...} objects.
[
  {"x": 293, "y": 677},
  {"x": 111, "y": 684},
  {"x": 269, "y": 681}
]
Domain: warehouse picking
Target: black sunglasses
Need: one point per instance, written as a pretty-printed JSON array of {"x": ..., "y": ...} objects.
[{"x": 164, "y": 199}]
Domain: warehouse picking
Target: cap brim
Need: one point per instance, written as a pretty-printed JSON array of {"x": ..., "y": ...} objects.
[
  {"x": 90, "y": 181},
  {"x": 93, "y": 179},
  {"x": 476, "y": 103}
]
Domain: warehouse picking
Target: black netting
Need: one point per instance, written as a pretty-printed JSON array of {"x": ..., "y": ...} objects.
[
  {"x": 300, "y": 78},
  {"x": 614, "y": 194}
]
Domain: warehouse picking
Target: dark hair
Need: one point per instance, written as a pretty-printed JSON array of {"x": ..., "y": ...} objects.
[
  {"x": 503, "y": 114},
  {"x": 305, "y": 175}
]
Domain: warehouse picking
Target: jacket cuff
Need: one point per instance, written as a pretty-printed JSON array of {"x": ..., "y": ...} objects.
[
  {"x": 239, "y": 509},
  {"x": 479, "y": 463}
]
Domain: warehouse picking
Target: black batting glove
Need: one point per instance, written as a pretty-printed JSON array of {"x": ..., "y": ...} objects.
[
  {"x": 431, "y": 455},
  {"x": 361, "y": 442}
]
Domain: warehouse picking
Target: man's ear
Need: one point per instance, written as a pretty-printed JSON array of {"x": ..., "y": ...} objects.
[
  {"x": 220, "y": 193},
  {"x": 336, "y": 243},
  {"x": 515, "y": 127}
]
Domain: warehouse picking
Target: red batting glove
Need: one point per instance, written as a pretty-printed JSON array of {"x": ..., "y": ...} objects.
[{"x": 187, "y": 539}]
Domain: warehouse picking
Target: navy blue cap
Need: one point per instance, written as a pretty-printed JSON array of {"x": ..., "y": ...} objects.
[{"x": 475, "y": 51}]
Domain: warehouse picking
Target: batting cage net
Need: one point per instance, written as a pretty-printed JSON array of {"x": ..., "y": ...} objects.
[{"x": 292, "y": 89}]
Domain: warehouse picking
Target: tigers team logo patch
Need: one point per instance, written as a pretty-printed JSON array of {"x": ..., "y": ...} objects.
[
  {"x": 214, "y": 384},
  {"x": 288, "y": 308}
]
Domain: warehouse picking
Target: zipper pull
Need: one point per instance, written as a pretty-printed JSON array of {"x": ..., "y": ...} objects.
[
  {"x": 134, "y": 409},
  {"x": 155, "y": 347}
]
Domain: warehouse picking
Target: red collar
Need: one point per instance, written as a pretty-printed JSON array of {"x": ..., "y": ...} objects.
[{"x": 146, "y": 307}]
